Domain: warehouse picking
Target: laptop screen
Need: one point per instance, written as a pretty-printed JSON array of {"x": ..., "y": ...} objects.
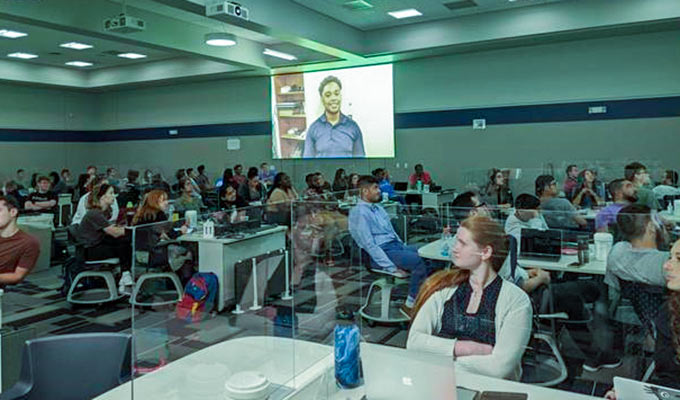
[{"x": 540, "y": 243}]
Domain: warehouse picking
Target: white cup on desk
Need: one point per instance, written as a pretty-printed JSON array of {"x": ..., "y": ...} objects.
[
  {"x": 676, "y": 207},
  {"x": 191, "y": 218},
  {"x": 603, "y": 244},
  {"x": 385, "y": 197},
  {"x": 426, "y": 188}
]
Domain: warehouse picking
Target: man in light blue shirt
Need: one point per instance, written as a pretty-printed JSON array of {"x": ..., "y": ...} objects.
[
  {"x": 372, "y": 230},
  {"x": 333, "y": 134}
]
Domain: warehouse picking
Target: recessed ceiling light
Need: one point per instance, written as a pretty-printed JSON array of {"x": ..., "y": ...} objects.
[
  {"x": 132, "y": 56},
  {"x": 79, "y": 64},
  {"x": 411, "y": 12},
  {"x": 76, "y": 46},
  {"x": 23, "y": 56},
  {"x": 6, "y": 33},
  {"x": 220, "y": 39},
  {"x": 278, "y": 54}
]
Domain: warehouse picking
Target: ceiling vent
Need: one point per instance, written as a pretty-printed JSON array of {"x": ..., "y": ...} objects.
[
  {"x": 357, "y": 5},
  {"x": 458, "y": 5}
]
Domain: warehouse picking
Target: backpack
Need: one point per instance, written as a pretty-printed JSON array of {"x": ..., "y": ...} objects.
[{"x": 199, "y": 297}]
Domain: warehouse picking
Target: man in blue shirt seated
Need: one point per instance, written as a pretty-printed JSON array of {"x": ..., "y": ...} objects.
[
  {"x": 372, "y": 230},
  {"x": 333, "y": 134}
]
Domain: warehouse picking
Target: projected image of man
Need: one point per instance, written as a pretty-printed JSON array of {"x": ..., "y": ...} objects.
[{"x": 333, "y": 134}]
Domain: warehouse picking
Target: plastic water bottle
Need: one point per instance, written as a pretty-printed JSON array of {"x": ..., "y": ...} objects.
[
  {"x": 347, "y": 358},
  {"x": 446, "y": 241}
]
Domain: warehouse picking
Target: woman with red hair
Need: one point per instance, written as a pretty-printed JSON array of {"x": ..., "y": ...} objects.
[{"x": 469, "y": 312}]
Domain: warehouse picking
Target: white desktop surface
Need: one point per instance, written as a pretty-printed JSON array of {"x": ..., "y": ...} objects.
[
  {"x": 304, "y": 367},
  {"x": 594, "y": 267},
  {"x": 219, "y": 255},
  {"x": 431, "y": 199},
  {"x": 670, "y": 216}
]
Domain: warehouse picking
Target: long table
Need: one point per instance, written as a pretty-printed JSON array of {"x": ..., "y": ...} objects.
[
  {"x": 564, "y": 264},
  {"x": 219, "y": 255},
  {"x": 297, "y": 369}
]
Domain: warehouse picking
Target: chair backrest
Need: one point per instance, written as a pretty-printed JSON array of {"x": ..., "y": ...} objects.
[
  {"x": 646, "y": 299},
  {"x": 74, "y": 367}
]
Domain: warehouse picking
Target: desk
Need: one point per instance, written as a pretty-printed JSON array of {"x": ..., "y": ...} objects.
[
  {"x": 594, "y": 267},
  {"x": 431, "y": 199},
  {"x": 219, "y": 255},
  {"x": 304, "y": 369},
  {"x": 672, "y": 217},
  {"x": 41, "y": 227},
  {"x": 433, "y": 251}
]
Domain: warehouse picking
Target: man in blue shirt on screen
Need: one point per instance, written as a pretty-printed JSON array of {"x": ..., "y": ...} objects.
[{"x": 333, "y": 134}]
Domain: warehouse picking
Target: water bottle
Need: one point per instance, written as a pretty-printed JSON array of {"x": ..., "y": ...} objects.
[
  {"x": 446, "y": 241},
  {"x": 347, "y": 359}
]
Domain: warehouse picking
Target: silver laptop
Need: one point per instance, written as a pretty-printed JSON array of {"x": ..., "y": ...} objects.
[
  {"x": 628, "y": 389},
  {"x": 394, "y": 374}
]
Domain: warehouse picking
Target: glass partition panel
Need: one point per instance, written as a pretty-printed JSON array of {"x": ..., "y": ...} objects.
[{"x": 213, "y": 306}]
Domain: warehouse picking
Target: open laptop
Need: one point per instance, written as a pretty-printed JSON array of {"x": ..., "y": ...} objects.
[
  {"x": 541, "y": 245},
  {"x": 628, "y": 389},
  {"x": 392, "y": 373},
  {"x": 401, "y": 186}
]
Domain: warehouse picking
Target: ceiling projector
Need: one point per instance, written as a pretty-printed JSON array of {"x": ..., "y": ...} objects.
[
  {"x": 227, "y": 7},
  {"x": 124, "y": 24}
]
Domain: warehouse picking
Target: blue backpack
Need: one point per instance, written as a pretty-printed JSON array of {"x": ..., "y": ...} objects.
[{"x": 199, "y": 297}]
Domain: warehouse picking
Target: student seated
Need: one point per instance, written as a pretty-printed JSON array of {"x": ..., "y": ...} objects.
[
  {"x": 637, "y": 258},
  {"x": 84, "y": 201},
  {"x": 372, "y": 230},
  {"x": 281, "y": 195},
  {"x": 570, "y": 181},
  {"x": 559, "y": 213},
  {"x": 252, "y": 190},
  {"x": 42, "y": 200},
  {"x": 101, "y": 238},
  {"x": 420, "y": 175},
  {"x": 666, "y": 354},
  {"x": 589, "y": 192},
  {"x": 638, "y": 175},
  {"x": 668, "y": 185},
  {"x": 497, "y": 192},
  {"x": 569, "y": 296},
  {"x": 19, "y": 251},
  {"x": 187, "y": 201},
  {"x": 470, "y": 313},
  {"x": 340, "y": 184},
  {"x": 623, "y": 193},
  {"x": 153, "y": 211}
]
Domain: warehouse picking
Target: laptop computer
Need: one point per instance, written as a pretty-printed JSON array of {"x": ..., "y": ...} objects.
[
  {"x": 392, "y": 373},
  {"x": 628, "y": 389},
  {"x": 541, "y": 245},
  {"x": 401, "y": 186}
]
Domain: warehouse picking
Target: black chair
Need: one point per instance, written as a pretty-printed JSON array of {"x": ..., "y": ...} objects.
[
  {"x": 72, "y": 367},
  {"x": 645, "y": 299}
]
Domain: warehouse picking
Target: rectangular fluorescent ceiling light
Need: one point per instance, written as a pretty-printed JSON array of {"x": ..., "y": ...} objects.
[
  {"x": 6, "y": 33},
  {"x": 79, "y": 64},
  {"x": 132, "y": 56},
  {"x": 278, "y": 54},
  {"x": 76, "y": 46},
  {"x": 23, "y": 56},
  {"x": 408, "y": 13}
]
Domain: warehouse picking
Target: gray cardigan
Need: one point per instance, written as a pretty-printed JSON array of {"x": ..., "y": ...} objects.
[{"x": 513, "y": 329}]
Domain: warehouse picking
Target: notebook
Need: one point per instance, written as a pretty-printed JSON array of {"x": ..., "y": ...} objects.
[{"x": 628, "y": 389}]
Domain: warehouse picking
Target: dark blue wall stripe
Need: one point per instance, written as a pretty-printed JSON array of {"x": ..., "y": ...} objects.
[
  {"x": 563, "y": 112},
  {"x": 616, "y": 109}
]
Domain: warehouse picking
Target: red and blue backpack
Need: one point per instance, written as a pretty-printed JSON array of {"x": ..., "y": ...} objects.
[{"x": 199, "y": 297}]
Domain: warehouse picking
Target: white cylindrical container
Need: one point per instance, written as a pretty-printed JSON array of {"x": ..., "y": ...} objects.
[
  {"x": 385, "y": 197},
  {"x": 191, "y": 218},
  {"x": 676, "y": 206},
  {"x": 603, "y": 243},
  {"x": 426, "y": 188},
  {"x": 247, "y": 385}
]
